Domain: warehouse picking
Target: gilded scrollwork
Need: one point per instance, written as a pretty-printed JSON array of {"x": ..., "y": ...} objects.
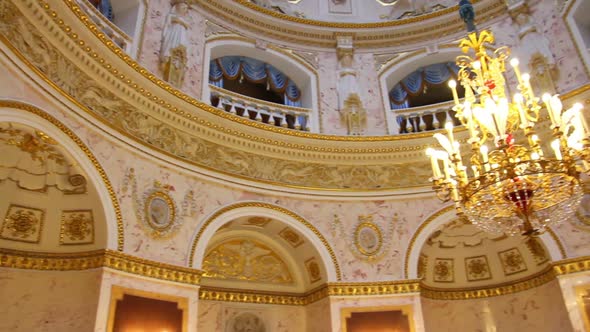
[
  {"x": 245, "y": 259},
  {"x": 366, "y": 239},
  {"x": 22, "y": 224},
  {"x": 77, "y": 227}
]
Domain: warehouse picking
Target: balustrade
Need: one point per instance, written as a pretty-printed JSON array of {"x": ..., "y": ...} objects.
[
  {"x": 424, "y": 118},
  {"x": 108, "y": 28},
  {"x": 259, "y": 110}
]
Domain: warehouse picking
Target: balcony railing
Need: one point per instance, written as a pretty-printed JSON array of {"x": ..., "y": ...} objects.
[
  {"x": 424, "y": 118},
  {"x": 107, "y": 27},
  {"x": 259, "y": 110}
]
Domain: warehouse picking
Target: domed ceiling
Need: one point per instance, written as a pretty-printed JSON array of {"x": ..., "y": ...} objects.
[
  {"x": 459, "y": 255},
  {"x": 357, "y": 11}
]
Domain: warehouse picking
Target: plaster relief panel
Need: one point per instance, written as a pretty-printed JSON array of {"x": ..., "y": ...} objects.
[
  {"x": 477, "y": 268},
  {"x": 77, "y": 227},
  {"x": 443, "y": 270},
  {"x": 22, "y": 224},
  {"x": 512, "y": 261}
]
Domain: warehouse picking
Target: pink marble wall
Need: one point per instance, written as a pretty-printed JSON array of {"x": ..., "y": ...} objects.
[
  {"x": 48, "y": 300},
  {"x": 214, "y": 316},
  {"x": 541, "y": 309},
  {"x": 318, "y": 316}
]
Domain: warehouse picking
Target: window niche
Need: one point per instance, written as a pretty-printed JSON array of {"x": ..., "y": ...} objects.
[{"x": 578, "y": 22}]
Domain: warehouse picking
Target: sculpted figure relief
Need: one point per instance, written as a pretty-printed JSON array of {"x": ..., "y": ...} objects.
[{"x": 173, "y": 50}]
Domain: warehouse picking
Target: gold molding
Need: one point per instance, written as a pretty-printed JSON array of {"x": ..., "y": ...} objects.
[
  {"x": 516, "y": 286},
  {"x": 407, "y": 310},
  {"x": 96, "y": 259},
  {"x": 572, "y": 265},
  {"x": 118, "y": 292},
  {"x": 82, "y": 146},
  {"x": 581, "y": 291},
  {"x": 339, "y": 289},
  {"x": 270, "y": 207}
]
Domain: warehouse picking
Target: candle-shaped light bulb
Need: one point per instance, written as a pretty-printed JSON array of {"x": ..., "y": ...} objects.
[
  {"x": 476, "y": 65},
  {"x": 535, "y": 156},
  {"x": 546, "y": 99},
  {"x": 434, "y": 163},
  {"x": 514, "y": 63},
  {"x": 449, "y": 128},
  {"x": 453, "y": 86},
  {"x": 556, "y": 148},
  {"x": 484, "y": 157},
  {"x": 518, "y": 101},
  {"x": 468, "y": 114}
]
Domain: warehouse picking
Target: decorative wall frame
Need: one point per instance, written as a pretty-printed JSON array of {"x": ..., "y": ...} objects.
[
  {"x": 258, "y": 221},
  {"x": 367, "y": 238},
  {"x": 159, "y": 213},
  {"x": 477, "y": 268},
  {"x": 313, "y": 270},
  {"x": 23, "y": 224},
  {"x": 512, "y": 261},
  {"x": 77, "y": 227},
  {"x": 247, "y": 321}
]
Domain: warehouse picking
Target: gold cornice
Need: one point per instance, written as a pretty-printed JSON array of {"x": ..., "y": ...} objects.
[
  {"x": 107, "y": 183},
  {"x": 270, "y": 207},
  {"x": 516, "y": 286},
  {"x": 331, "y": 289},
  {"x": 96, "y": 259},
  {"x": 572, "y": 265}
]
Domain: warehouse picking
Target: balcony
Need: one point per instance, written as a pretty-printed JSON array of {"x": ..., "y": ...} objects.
[
  {"x": 123, "y": 40},
  {"x": 423, "y": 118},
  {"x": 296, "y": 118}
]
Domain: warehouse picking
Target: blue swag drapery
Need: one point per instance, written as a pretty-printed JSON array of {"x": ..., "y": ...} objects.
[
  {"x": 255, "y": 71},
  {"x": 414, "y": 83}
]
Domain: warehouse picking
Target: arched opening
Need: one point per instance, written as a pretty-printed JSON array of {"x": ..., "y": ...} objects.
[{"x": 263, "y": 84}]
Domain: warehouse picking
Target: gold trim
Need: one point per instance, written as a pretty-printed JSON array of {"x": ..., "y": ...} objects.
[
  {"x": 6, "y": 220},
  {"x": 171, "y": 210},
  {"x": 118, "y": 292},
  {"x": 572, "y": 265},
  {"x": 407, "y": 310},
  {"x": 107, "y": 183},
  {"x": 516, "y": 286},
  {"x": 323, "y": 291},
  {"x": 95, "y": 259},
  {"x": 271, "y": 207},
  {"x": 357, "y": 234},
  {"x": 581, "y": 291},
  {"x": 557, "y": 240}
]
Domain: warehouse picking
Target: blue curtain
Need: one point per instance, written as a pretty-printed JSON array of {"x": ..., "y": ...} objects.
[
  {"x": 414, "y": 83},
  {"x": 255, "y": 71}
]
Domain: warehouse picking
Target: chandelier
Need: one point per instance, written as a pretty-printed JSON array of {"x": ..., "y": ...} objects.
[{"x": 514, "y": 181}]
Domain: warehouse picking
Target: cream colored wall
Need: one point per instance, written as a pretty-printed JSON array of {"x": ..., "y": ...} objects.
[
  {"x": 539, "y": 309},
  {"x": 48, "y": 301}
]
